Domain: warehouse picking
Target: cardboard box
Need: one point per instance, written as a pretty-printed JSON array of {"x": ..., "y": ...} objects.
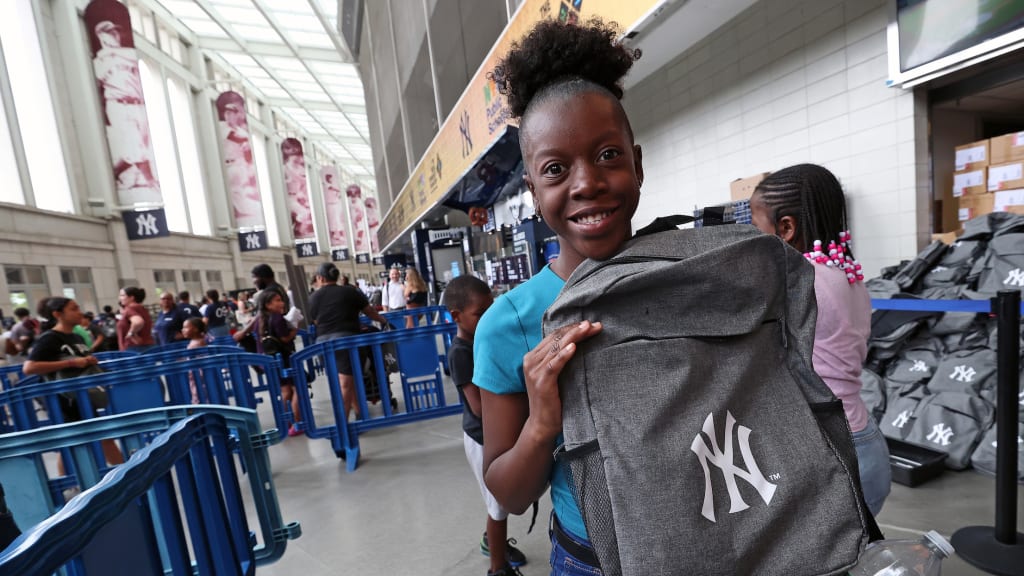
[
  {"x": 1009, "y": 201},
  {"x": 971, "y": 156},
  {"x": 970, "y": 182},
  {"x": 976, "y": 205},
  {"x": 1007, "y": 176},
  {"x": 948, "y": 237},
  {"x": 1006, "y": 148},
  {"x": 743, "y": 188}
]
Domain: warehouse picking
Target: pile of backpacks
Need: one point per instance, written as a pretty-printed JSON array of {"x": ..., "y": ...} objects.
[{"x": 930, "y": 377}]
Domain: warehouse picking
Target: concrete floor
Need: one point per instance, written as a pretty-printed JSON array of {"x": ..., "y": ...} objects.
[{"x": 413, "y": 507}]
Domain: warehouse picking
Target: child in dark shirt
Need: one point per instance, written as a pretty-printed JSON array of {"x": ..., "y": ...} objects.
[
  {"x": 274, "y": 335},
  {"x": 467, "y": 298}
]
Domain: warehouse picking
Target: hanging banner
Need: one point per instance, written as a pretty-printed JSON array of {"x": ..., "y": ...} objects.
[
  {"x": 373, "y": 224},
  {"x": 357, "y": 219},
  {"x": 240, "y": 169},
  {"x": 298, "y": 198},
  {"x": 116, "y": 67},
  {"x": 334, "y": 205}
]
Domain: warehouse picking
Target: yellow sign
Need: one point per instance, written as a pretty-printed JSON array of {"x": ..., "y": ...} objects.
[{"x": 481, "y": 114}]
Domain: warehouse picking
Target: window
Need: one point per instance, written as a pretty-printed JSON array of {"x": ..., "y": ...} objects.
[
  {"x": 213, "y": 279},
  {"x": 27, "y": 286},
  {"x": 10, "y": 183},
  {"x": 78, "y": 285},
  {"x": 259, "y": 152},
  {"x": 193, "y": 283},
  {"x": 165, "y": 282},
  {"x": 163, "y": 146},
  {"x": 188, "y": 156},
  {"x": 33, "y": 106}
]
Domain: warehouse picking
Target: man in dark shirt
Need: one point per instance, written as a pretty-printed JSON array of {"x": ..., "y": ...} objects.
[
  {"x": 335, "y": 311},
  {"x": 217, "y": 315},
  {"x": 186, "y": 308},
  {"x": 167, "y": 327}
]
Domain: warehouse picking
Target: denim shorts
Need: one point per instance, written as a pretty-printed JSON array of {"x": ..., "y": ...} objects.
[
  {"x": 873, "y": 461},
  {"x": 565, "y": 564}
]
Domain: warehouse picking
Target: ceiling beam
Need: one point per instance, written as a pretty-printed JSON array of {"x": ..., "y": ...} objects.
[
  {"x": 318, "y": 106},
  {"x": 269, "y": 49},
  {"x": 331, "y": 31}
]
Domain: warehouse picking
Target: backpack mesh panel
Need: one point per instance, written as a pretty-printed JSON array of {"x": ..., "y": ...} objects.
[{"x": 590, "y": 489}]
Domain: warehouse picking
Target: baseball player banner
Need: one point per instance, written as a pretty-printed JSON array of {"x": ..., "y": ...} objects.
[
  {"x": 357, "y": 220},
  {"x": 372, "y": 222},
  {"x": 240, "y": 169},
  {"x": 298, "y": 198},
  {"x": 334, "y": 204},
  {"x": 116, "y": 67}
]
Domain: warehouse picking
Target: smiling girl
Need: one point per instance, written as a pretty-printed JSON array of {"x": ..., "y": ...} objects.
[{"x": 584, "y": 170}]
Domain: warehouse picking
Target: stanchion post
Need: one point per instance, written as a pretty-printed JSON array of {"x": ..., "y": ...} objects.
[{"x": 1000, "y": 549}]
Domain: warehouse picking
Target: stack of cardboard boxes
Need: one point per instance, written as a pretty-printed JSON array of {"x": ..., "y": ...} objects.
[{"x": 989, "y": 176}]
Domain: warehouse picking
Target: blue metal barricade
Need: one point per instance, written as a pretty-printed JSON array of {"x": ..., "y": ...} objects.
[
  {"x": 422, "y": 385},
  {"x": 132, "y": 517},
  {"x": 219, "y": 379}
]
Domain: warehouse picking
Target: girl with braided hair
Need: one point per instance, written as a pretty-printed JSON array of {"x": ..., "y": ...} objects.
[
  {"x": 563, "y": 83},
  {"x": 804, "y": 205}
]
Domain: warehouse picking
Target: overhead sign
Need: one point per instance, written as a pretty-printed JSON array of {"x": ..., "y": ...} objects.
[{"x": 481, "y": 114}]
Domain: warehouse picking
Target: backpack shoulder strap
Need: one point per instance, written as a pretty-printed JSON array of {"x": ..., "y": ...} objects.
[{"x": 664, "y": 224}]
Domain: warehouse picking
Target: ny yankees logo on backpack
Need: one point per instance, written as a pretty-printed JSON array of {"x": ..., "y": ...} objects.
[{"x": 694, "y": 426}]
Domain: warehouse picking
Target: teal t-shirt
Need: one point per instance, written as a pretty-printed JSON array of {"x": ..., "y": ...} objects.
[{"x": 510, "y": 328}]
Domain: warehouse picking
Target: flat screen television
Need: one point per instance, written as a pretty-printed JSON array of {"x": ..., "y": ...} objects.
[{"x": 930, "y": 38}]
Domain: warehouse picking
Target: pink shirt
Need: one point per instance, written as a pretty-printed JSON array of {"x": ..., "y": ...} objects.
[{"x": 841, "y": 339}]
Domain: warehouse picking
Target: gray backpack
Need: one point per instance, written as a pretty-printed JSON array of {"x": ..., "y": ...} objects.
[
  {"x": 698, "y": 439},
  {"x": 952, "y": 422},
  {"x": 1003, "y": 265}
]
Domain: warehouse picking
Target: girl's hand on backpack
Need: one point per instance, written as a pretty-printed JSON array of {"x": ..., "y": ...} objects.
[{"x": 541, "y": 367}]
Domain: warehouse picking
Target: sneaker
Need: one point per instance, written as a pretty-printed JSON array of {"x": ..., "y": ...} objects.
[
  {"x": 516, "y": 557},
  {"x": 294, "y": 431},
  {"x": 508, "y": 570}
]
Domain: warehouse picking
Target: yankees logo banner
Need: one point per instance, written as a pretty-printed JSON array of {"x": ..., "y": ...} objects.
[
  {"x": 298, "y": 198},
  {"x": 372, "y": 223},
  {"x": 116, "y": 67},
  {"x": 240, "y": 171},
  {"x": 334, "y": 204}
]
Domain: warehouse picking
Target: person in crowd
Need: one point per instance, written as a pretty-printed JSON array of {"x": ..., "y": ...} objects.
[
  {"x": 59, "y": 353},
  {"x": 186, "y": 309},
  {"x": 263, "y": 279},
  {"x": 467, "y": 299},
  {"x": 243, "y": 311},
  {"x": 217, "y": 315},
  {"x": 415, "y": 294},
  {"x": 805, "y": 206},
  {"x": 394, "y": 290},
  {"x": 97, "y": 339},
  {"x": 106, "y": 323},
  {"x": 24, "y": 332},
  {"x": 87, "y": 332},
  {"x": 135, "y": 327},
  {"x": 563, "y": 83},
  {"x": 274, "y": 335},
  {"x": 167, "y": 327},
  {"x": 335, "y": 311},
  {"x": 194, "y": 330}
]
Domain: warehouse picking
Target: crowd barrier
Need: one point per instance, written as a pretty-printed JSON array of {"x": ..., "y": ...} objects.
[
  {"x": 131, "y": 522},
  {"x": 420, "y": 368},
  {"x": 998, "y": 549},
  {"x": 222, "y": 379}
]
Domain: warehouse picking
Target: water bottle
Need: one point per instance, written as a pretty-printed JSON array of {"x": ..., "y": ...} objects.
[{"x": 904, "y": 557}]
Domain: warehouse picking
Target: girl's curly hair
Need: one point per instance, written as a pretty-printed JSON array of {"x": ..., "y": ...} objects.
[{"x": 554, "y": 53}]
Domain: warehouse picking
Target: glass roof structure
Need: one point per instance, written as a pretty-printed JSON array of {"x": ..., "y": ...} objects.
[{"x": 291, "y": 54}]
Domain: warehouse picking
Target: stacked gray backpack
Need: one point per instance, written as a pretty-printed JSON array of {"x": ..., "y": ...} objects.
[
  {"x": 939, "y": 371},
  {"x": 698, "y": 439}
]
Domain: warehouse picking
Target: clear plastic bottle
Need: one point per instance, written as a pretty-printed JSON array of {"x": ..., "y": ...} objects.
[{"x": 904, "y": 557}]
